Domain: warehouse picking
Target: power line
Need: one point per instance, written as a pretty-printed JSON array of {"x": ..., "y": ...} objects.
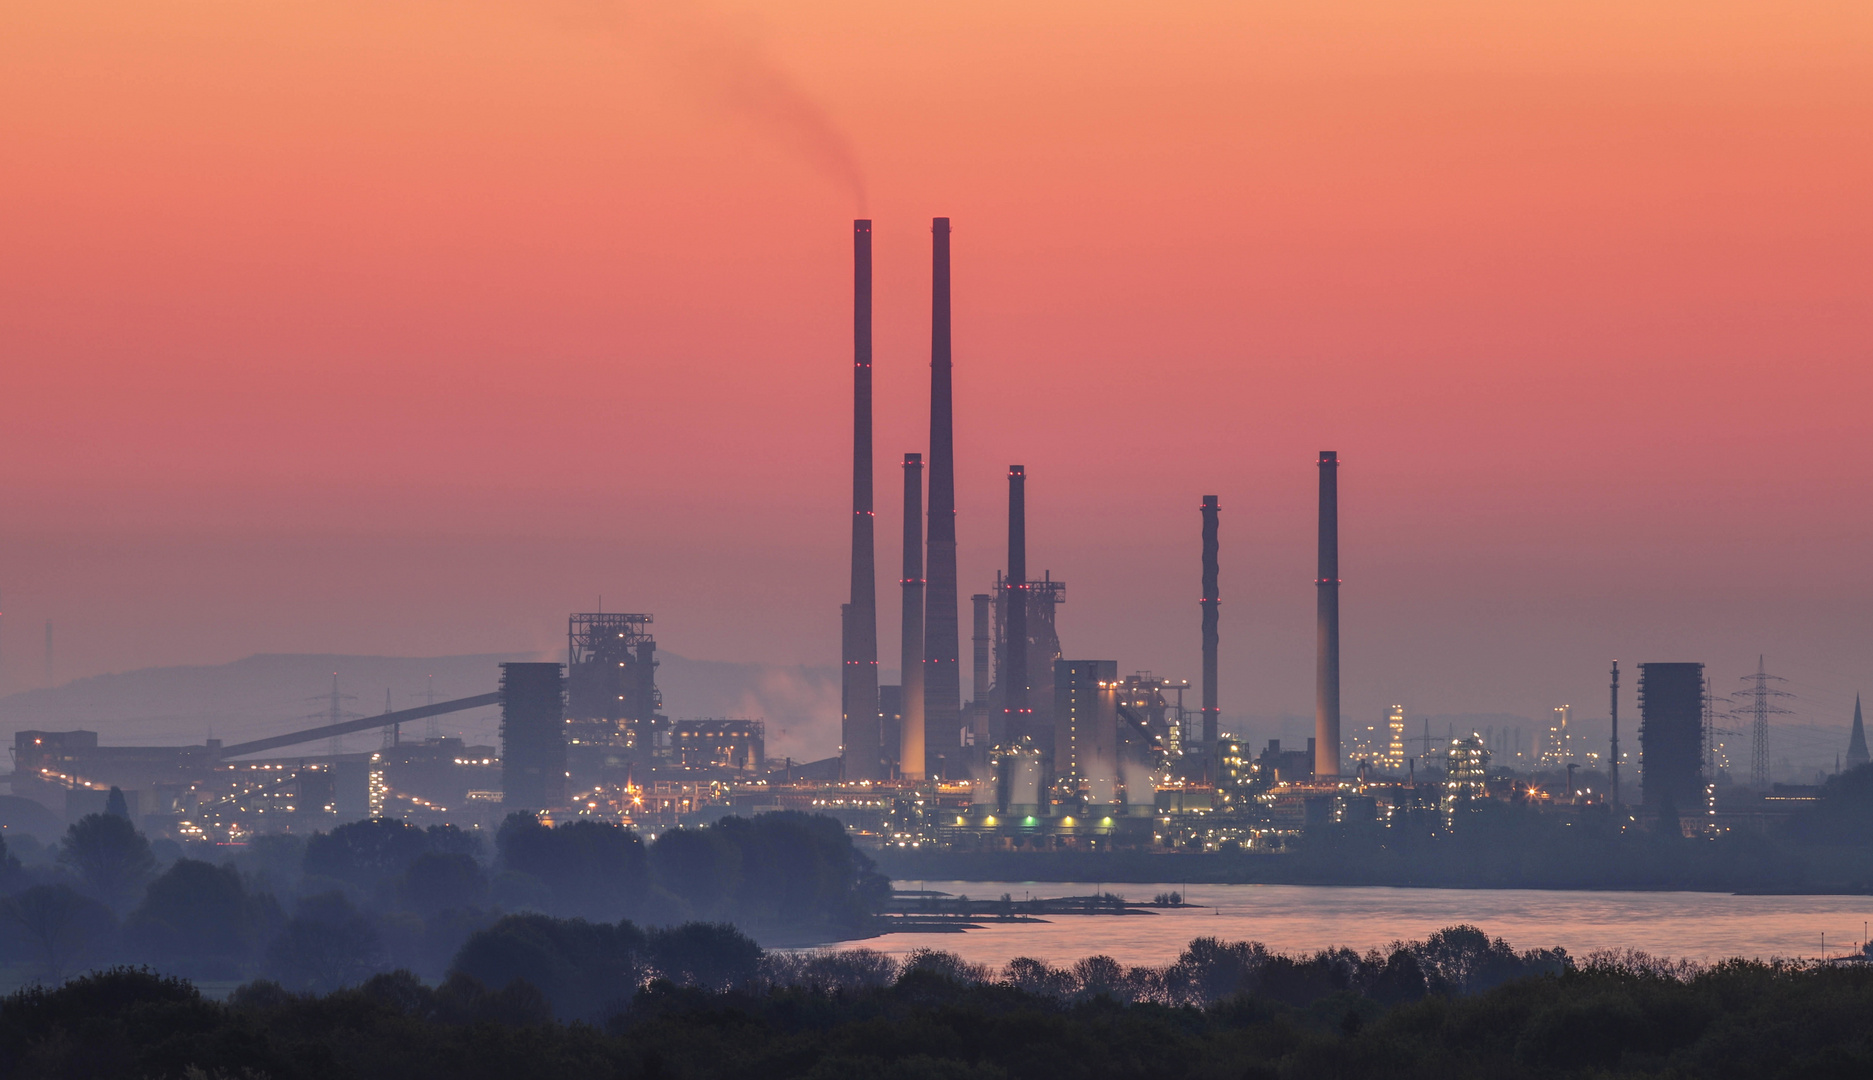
[{"x": 1757, "y": 701}]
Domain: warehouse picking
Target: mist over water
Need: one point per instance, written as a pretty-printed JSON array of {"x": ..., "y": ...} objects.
[{"x": 1301, "y": 919}]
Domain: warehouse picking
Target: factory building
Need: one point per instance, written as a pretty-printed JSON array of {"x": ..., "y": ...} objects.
[
  {"x": 721, "y": 746},
  {"x": 1467, "y": 767},
  {"x": 1155, "y": 708},
  {"x": 1671, "y": 736},
  {"x": 533, "y": 736},
  {"x": 613, "y": 717},
  {"x": 1085, "y": 722},
  {"x": 1280, "y": 766},
  {"x": 1039, "y": 652},
  {"x": 891, "y": 723}
]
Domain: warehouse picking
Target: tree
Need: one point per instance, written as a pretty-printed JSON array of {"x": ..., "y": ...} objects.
[
  {"x": 586, "y": 970},
  {"x": 58, "y": 930},
  {"x": 1211, "y": 969},
  {"x": 840, "y": 969},
  {"x": 1033, "y": 976},
  {"x": 436, "y": 882},
  {"x": 111, "y": 857},
  {"x": 1401, "y": 980},
  {"x": 198, "y": 920},
  {"x": 1465, "y": 960},
  {"x": 593, "y": 869},
  {"x": 326, "y": 946},
  {"x": 452, "y": 840},
  {"x": 700, "y": 866},
  {"x": 801, "y": 870},
  {"x": 712, "y": 955},
  {"x": 10, "y": 873},
  {"x": 273, "y": 863},
  {"x": 365, "y": 853},
  {"x": 115, "y": 805}
]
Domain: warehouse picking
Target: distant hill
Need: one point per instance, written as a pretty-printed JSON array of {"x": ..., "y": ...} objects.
[{"x": 273, "y": 693}]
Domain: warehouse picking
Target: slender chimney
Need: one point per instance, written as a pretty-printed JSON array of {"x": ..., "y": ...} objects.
[
  {"x": 1015, "y": 711},
  {"x": 1327, "y": 656},
  {"x": 1212, "y": 603},
  {"x": 980, "y": 706},
  {"x": 942, "y": 673},
  {"x": 911, "y": 740},
  {"x": 1614, "y": 758},
  {"x": 860, "y": 727}
]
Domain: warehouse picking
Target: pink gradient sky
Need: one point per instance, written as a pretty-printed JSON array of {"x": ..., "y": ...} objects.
[{"x": 407, "y": 328}]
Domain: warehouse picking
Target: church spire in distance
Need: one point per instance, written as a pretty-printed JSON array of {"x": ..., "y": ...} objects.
[{"x": 1856, "y": 743}]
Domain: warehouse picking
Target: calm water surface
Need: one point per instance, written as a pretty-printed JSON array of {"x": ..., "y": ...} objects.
[{"x": 1302, "y": 918}]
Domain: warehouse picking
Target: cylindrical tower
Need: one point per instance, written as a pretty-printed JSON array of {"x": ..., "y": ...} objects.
[
  {"x": 1613, "y": 757},
  {"x": 859, "y": 728},
  {"x": 1327, "y": 655},
  {"x": 911, "y": 739},
  {"x": 1014, "y": 674},
  {"x": 980, "y": 706},
  {"x": 1212, "y": 604},
  {"x": 942, "y": 693}
]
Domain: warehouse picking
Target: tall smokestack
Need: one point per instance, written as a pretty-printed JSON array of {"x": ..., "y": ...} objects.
[
  {"x": 980, "y": 706},
  {"x": 942, "y": 673},
  {"x": 911, "y": 740},
  {"x": 1015, "y": 711},
  {"x": 859, "y": 684},
  {"x": 1212, "y": 604},
  {"x": 1614, "y": 756},
  {"x": 1327, "y": 657}
]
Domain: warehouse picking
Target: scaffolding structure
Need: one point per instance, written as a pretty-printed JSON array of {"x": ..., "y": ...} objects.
[
  {"x": 613, "y": 706},
  {"x": 1672, "y": 739},
  {"x": 1466, "y": 775}
]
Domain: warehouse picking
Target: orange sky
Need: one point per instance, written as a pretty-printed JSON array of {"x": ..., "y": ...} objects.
[{"x": 407, "y": 326}]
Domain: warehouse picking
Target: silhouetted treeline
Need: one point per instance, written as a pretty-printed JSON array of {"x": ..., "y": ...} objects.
[
  {"x": 1842, "y": 812},
  {"x": 587, "y": 971},
  {"x": 1456, "y": 1005},
  {"x": 316, "y": 914}
]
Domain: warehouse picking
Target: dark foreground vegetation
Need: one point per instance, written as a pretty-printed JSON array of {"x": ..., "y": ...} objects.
[
  {"x": 1457, "y": 1005},
  {"x": 320, "y": 913}
]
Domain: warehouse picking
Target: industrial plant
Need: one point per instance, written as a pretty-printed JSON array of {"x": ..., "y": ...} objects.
[{"x": 1049, "y": 749}]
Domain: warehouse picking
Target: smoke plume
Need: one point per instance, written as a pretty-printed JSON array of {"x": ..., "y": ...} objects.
[{"x": 728, "y": 67}]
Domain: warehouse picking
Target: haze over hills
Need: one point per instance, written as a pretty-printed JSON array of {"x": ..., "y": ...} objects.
[{"x": 268, "y": 694}]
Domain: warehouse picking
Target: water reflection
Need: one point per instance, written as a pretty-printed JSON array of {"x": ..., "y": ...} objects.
[{"x": 1300, "y": 918}]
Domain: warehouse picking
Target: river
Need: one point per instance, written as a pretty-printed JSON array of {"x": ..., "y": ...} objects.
[{"x": 1302, "y": 918}]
